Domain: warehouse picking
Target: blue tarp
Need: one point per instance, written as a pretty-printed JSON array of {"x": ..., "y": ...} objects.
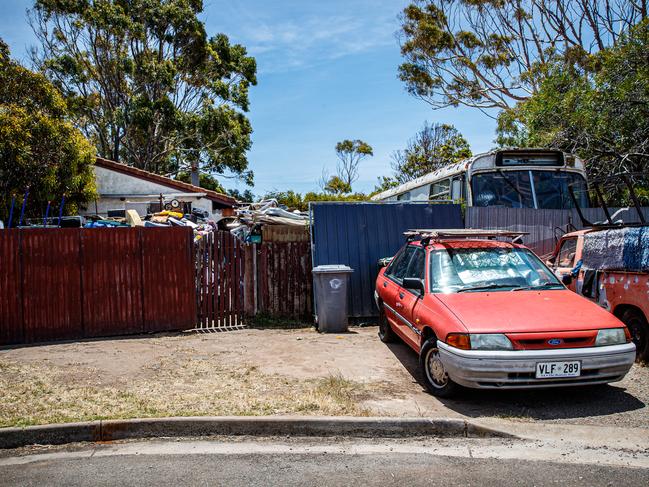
[
  {"x": 636, "y": 249},
  {"x": 617, "y": 249}
]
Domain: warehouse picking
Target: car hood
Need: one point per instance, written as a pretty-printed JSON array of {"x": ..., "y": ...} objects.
[{"x": 526, "y": 311}]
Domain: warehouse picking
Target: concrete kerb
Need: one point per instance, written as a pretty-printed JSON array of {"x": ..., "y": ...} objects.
[{"x": 110, "y": 430}]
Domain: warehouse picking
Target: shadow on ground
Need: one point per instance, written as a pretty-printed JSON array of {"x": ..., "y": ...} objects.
[{"x": 545, "y": 404}]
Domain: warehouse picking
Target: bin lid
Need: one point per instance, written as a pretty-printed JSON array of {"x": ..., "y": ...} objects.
[{"x": 332, "y": 268}]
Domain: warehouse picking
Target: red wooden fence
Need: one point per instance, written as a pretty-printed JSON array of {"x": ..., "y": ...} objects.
[
  {"x": 284, "y": 277},
  {"x": 219, "y": 281},
  {"x": 77, "y": 283}
]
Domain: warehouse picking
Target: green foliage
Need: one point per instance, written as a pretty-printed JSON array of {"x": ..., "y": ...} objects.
[
  {"x": 146, "y": 83},
  {"x": 491, "y": 54},
  {"x": 601, "y": 113},
  {"x": 335, "y": 185},
  {"x": 296, "y": 201},
  {"x": 383, "y": 184},
  {"x": 205, "y": 180},
  {"x": 350, "y": 153},
  {"x": 246, "y": 195},
  {"x": 39, "y": 148},
  {"x": 289, "y": 198},
  {"x": 267, "y": 321},
  {"x": 434, "y": 146}
]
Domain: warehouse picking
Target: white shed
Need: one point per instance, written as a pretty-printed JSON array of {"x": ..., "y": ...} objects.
[{"x": 123, "y": 187}]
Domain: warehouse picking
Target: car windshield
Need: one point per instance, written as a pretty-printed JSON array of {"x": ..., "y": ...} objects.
[
  {"x": 518, "y": 189},
  {"x": 454, "y": 270}
]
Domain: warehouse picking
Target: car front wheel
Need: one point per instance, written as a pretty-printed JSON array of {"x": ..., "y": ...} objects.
[
  {"x": 637, "y": 325},
  {"x": 437, "y": 380}
]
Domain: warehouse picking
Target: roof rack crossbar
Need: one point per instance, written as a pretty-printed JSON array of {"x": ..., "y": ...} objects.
[{"x": 441, "y": 234}]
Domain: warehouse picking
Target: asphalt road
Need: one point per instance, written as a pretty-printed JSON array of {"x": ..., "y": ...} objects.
[{"x": 354, "y": 463}]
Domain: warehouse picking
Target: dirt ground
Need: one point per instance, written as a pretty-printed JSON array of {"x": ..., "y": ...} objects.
[{"x": 261, "y": 372}]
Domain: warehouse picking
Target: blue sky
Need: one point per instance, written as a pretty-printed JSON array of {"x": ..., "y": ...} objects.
[{"x": 327, "y": 71}]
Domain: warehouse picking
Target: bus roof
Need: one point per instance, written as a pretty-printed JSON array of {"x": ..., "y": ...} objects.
[{"x": 441, "y": 173}]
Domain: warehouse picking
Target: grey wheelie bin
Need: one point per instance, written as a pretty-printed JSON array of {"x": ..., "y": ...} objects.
[{"x": 330, "y": 285}]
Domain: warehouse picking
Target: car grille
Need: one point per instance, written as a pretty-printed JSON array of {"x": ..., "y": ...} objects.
[{"x": 541, "y": 341}]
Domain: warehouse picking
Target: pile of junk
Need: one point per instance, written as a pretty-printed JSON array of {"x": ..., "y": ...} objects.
[
  {"x": 250, "y": 219},
  {"x": 197, "y": 220}
]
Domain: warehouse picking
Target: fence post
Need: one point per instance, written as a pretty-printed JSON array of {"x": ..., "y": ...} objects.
[
  {"x": 250, "y": 280},
  {"x": 255, "y": 280}
]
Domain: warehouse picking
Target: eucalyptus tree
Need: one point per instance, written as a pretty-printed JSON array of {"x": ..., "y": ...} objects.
[
  {"x": 492, "y": 54},
  {"x": 147, "y": 84}
]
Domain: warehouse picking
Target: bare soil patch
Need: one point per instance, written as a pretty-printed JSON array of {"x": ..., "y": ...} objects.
[{"x": 271, "y": 372}]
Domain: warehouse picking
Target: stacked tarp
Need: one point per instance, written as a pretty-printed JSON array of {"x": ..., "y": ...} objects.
[{"x": 617, "y": 249}]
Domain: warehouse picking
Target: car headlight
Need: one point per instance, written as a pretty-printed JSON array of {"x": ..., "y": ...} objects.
[
  {"x": 611, "y": 336},
  {"x": 490, "y": 341}
]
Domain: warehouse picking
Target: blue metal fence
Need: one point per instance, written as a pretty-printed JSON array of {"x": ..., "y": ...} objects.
[{"x": 359, "y": 234}]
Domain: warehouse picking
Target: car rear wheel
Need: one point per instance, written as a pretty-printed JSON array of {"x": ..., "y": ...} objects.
[
  {"x": 637, "y": 325},
  {"x": 386, "y": 334},
  {"x": 437, "y": 380}
]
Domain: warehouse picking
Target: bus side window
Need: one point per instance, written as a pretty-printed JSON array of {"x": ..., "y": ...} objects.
[
  {"x": 404, "y": 196},
  {"x": 441, "y": 190},
  {"x": 457, "y": 185}
]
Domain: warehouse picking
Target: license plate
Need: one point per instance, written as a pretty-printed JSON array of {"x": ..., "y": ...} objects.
[{"x": 546, "y": 370}]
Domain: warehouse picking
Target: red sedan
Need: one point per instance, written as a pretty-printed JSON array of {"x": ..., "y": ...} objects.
[{"x": 484, "y": 313}]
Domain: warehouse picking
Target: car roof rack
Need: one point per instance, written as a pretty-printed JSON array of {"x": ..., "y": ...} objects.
[{"x": 458, "y": 233}]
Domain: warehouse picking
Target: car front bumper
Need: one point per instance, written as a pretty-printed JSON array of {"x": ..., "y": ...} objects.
[{"x": 516, "y": 369}]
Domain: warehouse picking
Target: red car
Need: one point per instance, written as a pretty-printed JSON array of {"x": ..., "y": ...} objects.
[{"x": 486, "y": 313}]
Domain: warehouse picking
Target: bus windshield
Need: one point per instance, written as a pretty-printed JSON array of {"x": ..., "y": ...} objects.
[{"x": 520, "y": 189}]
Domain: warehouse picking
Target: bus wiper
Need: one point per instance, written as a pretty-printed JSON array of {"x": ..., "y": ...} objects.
[
  {"x": 539, "y": 286},
  {"x": 486, "y": 286},
  {"x": 512, "y": 185}
]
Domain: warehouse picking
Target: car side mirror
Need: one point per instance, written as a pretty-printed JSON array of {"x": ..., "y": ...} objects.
[
  {"x": 413, "y": 284},
  {"x": 566, "y": 279}
]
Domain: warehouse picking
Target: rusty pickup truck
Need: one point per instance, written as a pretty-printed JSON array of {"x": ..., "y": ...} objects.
[{"x": 610, "y": 266}]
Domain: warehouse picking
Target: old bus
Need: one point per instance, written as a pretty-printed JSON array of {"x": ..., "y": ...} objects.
[{"x": 513, "y": 178}]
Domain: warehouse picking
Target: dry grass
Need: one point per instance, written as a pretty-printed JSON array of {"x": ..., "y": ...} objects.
[{"x": 183, "y": 386}]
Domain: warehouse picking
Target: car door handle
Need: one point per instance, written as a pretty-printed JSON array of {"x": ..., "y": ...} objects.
[
  {"x": 401, "y": 295},
  {"x": 385, "y": 283},
  {"x": 399, "y": 305}
]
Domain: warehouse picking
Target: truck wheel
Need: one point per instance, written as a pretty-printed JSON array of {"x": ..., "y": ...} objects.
[
  {"x": 386, "y": 334},
  {"x": 637, "y": 325},
  {"x": 437, "y": 380}
]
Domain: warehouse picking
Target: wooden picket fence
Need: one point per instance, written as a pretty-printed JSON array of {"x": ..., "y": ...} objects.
[{"x": 220, "y": 275}]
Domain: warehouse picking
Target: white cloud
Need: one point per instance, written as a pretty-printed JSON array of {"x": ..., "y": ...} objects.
[{"x": 301, "y": 37}]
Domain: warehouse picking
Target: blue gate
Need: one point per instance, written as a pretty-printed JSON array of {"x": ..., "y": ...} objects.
[{"x": 359, "y": 234}]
